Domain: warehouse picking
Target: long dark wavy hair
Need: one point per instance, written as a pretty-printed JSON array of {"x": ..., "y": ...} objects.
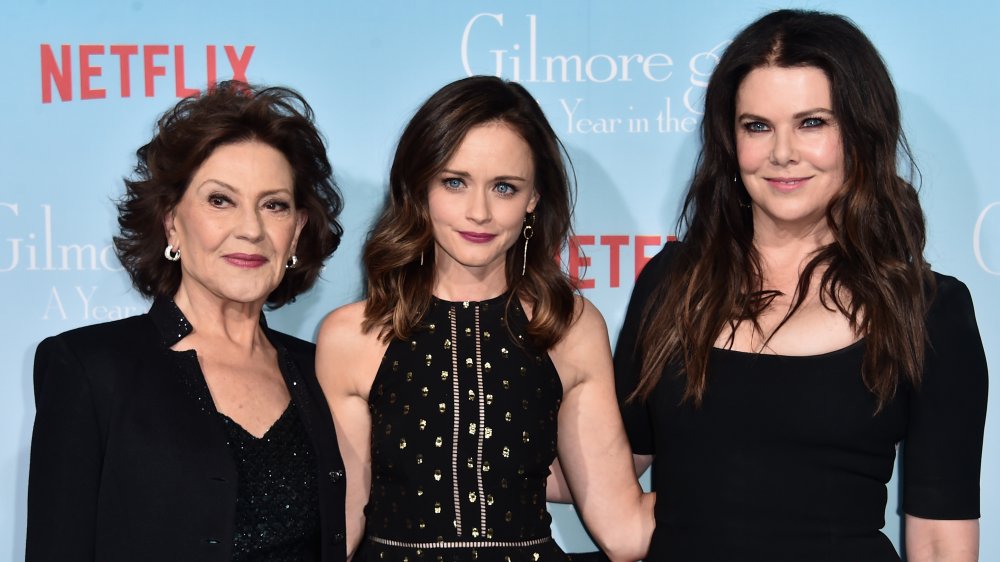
[
  {"x": 875, "y": 270},
  {"x": 398, "y": 286},
  {"x": 185, "y": 137}
]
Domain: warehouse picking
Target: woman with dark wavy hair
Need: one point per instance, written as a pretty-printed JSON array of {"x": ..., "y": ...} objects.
[
  {"x": 196, "y": 432},
  {"x": 774, "y": 358},
  {"x": 449, "y": 382}
]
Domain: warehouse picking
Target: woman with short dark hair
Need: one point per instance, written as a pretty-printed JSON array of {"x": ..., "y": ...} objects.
[{"x": 196, "y": 432}]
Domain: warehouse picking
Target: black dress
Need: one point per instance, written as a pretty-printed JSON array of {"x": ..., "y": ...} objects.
[
  {"x": 464, "y": 419},
  {"x": 787, "y": 460}
]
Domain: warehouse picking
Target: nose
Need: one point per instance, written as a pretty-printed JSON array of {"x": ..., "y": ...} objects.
[
  {"x": 784, "y": 150},
  {"x": 251, "y": 224},
  {"x": 478, "y": 206}
]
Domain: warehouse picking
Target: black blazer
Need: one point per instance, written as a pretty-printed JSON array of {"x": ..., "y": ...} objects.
[{"x": 127, "y": 465}]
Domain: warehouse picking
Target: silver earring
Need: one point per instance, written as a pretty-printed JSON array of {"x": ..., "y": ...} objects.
[
  {"x": 421, "y": 259},
  {"x": 292, "y": 262},
  {"x": 528, "y": 232},
  {"x": 171, "y": 254}
]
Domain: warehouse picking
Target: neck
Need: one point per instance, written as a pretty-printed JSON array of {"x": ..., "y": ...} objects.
[
  {"x": 222, "y": 320},
  {"x": 454, "y": 282}
]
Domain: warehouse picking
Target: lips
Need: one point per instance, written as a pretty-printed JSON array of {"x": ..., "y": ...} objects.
[
  {"x": 787, "y": 184},
  {"x": 248, "y": 261},
  {"x": 477, "y": 237}
]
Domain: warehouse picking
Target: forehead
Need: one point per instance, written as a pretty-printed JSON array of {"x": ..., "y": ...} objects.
[
  {"x": 248, "y": 165},
  {"x": 493, "y": 146},
  {"x": 779, "y": 90}
]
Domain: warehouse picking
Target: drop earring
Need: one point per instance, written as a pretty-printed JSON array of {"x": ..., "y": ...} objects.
[{"x": 528, "y": 232}]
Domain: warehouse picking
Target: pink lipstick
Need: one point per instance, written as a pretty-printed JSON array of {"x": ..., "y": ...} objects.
[
  {"x": 477, "y": 237},
  {"x": 248, "y": 261}
]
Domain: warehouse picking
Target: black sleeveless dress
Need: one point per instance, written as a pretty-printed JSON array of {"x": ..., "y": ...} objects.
[{"x": 464, "y": 419}]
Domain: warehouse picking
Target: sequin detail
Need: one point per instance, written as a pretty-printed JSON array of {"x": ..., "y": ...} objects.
[{"x": 469, "y": 480}]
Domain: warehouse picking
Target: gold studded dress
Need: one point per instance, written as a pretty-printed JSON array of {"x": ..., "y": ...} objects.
[{"x": 464, "y": 419}]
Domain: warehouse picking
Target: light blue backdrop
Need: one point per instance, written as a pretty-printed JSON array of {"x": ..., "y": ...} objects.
[{"x": 365, "y": 67}]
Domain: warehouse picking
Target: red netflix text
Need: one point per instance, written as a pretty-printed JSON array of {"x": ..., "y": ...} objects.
[
  {"x": 88, "y": 63},
  {"x": 587, "y": 255}
]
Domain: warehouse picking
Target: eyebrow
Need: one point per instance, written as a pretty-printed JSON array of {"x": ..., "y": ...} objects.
[
  {"x": 798, "y": 115},
  {"x": 462, "y": 174},
  {"x": 261, "y": 195}
]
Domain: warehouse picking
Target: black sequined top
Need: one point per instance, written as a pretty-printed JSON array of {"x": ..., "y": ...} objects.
[
  {"x": 277, "y": 513},
  {"x": 464, "y": 420},
  {"x": 277, "y": 509}
]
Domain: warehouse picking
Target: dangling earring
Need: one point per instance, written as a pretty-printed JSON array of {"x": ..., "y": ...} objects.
[
  {"x": 292, "y": 262},
  {"x": 421, "y": 258},
  {"x": 528, "y": 232},
  {"x": 171, "y": 254}
]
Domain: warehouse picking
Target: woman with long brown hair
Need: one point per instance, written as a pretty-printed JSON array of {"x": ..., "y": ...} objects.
[
  {"x": 448, "y": 384},
  {"x": 773, "y": 359}
]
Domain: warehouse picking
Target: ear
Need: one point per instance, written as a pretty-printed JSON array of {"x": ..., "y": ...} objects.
[
  {"x": 169, "y": 230},
  {"x": 533, "y": 200},
  {"x": 300, "y": 222}
]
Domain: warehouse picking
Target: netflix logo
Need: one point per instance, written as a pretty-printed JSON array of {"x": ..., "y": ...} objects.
[{"x": 99, "y": 71}]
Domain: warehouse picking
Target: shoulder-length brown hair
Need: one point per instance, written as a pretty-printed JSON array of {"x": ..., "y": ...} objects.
[
  {"x": 876, "y": 256},
  {"x": 398, "y": 286},
  {"x": 184, "y": 138}
]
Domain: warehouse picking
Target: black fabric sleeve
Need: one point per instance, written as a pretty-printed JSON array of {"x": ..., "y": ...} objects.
[
  {"x": 66, "y": 459},
  {"x": 942, "y": 451},
  {"x": 628, "y": 361}
]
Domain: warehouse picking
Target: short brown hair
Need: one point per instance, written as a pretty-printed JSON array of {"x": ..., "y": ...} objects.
[{"x": 184, "y": 138}]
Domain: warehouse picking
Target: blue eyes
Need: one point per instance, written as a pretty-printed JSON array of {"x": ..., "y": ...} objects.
[
  {"x": 503, "y": 189},
  {"x": 761, "y": 127}
]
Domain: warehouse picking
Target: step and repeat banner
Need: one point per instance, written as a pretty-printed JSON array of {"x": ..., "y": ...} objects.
[{"x": 621, "y": 82}]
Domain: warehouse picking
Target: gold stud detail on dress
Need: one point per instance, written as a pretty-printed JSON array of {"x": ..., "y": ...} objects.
[
  {"x": 409, "y": 376},
  {"x": 472, "y": 395},
  {"x": 487, "y": 335},
  {"x": 486, "y": 466},
  {"x": 468, "y": 362},
  {"x": 508, "y": 517},
  {"x": 507, "y": 416},
  {"x": 506, "y": 452},
  {"x": 442, "y": 407},
  {"x": 469, "y": 463},
  {"x": 504, "y": 353},
  {"x": 422, "y": 424},
  {"x": 413, "y": 346},
  {"x": 488, "y": 432},
  {"x": 402, "y": 443},
  {"x": 535, "y": 556},
  {"x": 465, "y": 304},
  {"x": 468, "y": 331},
  {"x": 475, "y": 531},
  {"x": 506, "y": 384},
  {"x": 420, "y": 490},
  {"x": 420, "y": 459},
  {"x": 444, "y": 375},
  {"x": 431, "y": 328},
  {"x": 489, "y": 399},
  {"x": 437, "y": 474},
  {"x": 472, "y": 497},
  {"x": 395, "y": 366},
  {"x": 424, "y": 391},
  {"x": 427, "y": 359},
  {"x": 489, "y": 499},
  {"x": 525, "y": 437},
  {"x": 487, "y": 367},
  {"x": 406, "y": 409},
  {"x": 438, "y": 441},
  {"x": 472, "y": 428},
  {"x": 437, "y": 507},
  {"x": 447, "y": 344}
]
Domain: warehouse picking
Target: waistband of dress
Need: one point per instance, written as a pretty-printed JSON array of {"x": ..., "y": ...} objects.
[{"x": 459, "y": 544}]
